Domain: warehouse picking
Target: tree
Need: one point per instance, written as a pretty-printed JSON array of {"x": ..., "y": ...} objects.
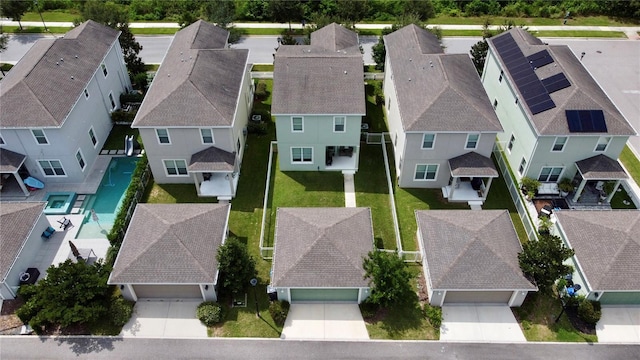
[
  {"x": 285, "y": 11},
  {"x": 389, "y": 278},
  {"x": 220, "y": 12},
  {"x": 71, "y": 293},
  {"x": 236, "y": 267},
  {"x": 14, "y": 9},
  {"x": 351, "y": 11},
  {"x": 481, "y": 48},
  {"x": 543, "y": 261}
]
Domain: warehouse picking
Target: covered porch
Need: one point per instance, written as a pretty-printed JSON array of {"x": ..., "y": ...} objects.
[
  {"x": 597, "y": 180},
  {"x": 471, "y": 177},
  {"x": 10, "y": 180},
  {"x": 215, "y": 173},
  {"x": 341, "y": 158}
]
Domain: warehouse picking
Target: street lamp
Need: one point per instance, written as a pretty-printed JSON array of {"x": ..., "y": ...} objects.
[{"x": 253, "y": 283}]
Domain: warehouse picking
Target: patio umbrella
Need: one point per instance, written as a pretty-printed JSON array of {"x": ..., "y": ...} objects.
[{"x": 74, "y": 250}]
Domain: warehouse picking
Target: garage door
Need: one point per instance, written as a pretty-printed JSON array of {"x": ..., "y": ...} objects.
[
  {"x": 488, "y": 297},
  {"x": 168, "y": 291},
  {"x": 620, "y": 298},
  {"x": 324, "y": 295}
]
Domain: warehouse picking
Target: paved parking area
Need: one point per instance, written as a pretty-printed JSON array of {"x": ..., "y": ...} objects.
[
  {"x": 619, "y": 324},
  {"x": 481, "y": 323},
  {"x": 325, "y": 321},
  {"x": 170, "y": 319}
]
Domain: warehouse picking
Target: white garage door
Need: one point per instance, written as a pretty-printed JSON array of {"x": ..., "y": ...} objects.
[
  {"x": 168, "y": 291},
  {"x": 475, "y": 297}
]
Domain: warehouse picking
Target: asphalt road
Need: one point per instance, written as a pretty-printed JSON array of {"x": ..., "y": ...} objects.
[{"x": 33, "y": 347}]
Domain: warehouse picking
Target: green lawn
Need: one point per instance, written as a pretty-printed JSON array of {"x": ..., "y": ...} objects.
[
  {"x": 619, "y": 199},
  {"x": 57, "y": 16},
  {"x": 499, "y": 20},
  {"x": 537, "y": 319},
  {"x": 499, "y": 198},
  {"x": 631, "y": 162},
  {"x": 34, "y": 29},
  {"x": 580, "y": 33},
  {"x": 154, "y": 31},
  {"x": 262, "y": 68},
  {"x": 115, "y": 141}
]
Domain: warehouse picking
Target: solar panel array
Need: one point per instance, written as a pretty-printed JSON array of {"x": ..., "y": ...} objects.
[
  {"x": 533, "y": 91},
  {"x": 540, "y": 59},
  {"x": 556, "y": 82},
  {"x": 586, "y": 121}
]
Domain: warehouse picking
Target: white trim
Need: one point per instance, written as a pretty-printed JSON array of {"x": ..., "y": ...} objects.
[
  {"x": 52, "y": 168},
  {"x": 523, "y": 166},
  {"x": 344, "y": 124},
  {"x": 297, "y": 131},
  {"x": 158, "y": 136},
  {"x": 301, "y": 155},
  {"x": 36, "y": 138},
  {"x": 512, "y": 141},
  {"x": 213, "y": 138},
  {"x": 92, "y": 131},
  {"x": 595, "y": 149},
  {"x": 112, "y": 101},
  {"x": 466, "y": 144},
  {"x": 433, "y": 144},
  {"x": 435, "y": 176},
  {"x": 105, "y": 70},
  {"x": 177, "y": 174},
  {"x": 79, "y": 151},
  {"x": 555, "y": 141}
]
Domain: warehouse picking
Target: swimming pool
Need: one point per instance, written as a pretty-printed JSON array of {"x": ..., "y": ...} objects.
[
  {"x": 107, "y": 200},
  {"x": 59, "y": 203}
]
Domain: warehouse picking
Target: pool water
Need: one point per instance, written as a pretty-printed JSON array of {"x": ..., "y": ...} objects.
[
  {"x": 107, "y": 200},
  {"x": 59, "y": 203}
]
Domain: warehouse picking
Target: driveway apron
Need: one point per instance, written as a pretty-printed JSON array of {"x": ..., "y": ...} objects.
[
  {"x": 164, "y": 319},
  {"x": 325, "y": 321},
  {"x": 482, "y": 323}
]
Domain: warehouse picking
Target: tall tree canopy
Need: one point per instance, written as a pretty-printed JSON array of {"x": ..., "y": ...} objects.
[
  {"x": 543, "y": 260},
  {"x": 14, "y": 9},
  {"x": 389, "y": 278},
  {"x": 236, "y": 266}
]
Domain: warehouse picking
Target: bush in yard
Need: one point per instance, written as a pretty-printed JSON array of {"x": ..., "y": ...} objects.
[
  {"x": 120, "y": 311},
  {"x": 257, "y": 128},
  {"x": 368, "y": 309},
  {"x": 433, "y": 314},
  {"x": 210, "y": 313},
  {"x": 543, "y": 261},
  {"x": 589, "y": 311},
  {"x": 131, "y": 97},
  {"x": 389, "y": 278},
  {"x": 261, "y": 90},
  {"x": 236, "y": 266},
  {"x": 279, "y": 311}
]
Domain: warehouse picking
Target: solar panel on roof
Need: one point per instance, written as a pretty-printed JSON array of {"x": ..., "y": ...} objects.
[
  {"x": 543, "y": 106},
  {"x": 556, "y": 82},
  {"x": 540, "y": 59},
  {"x": 586, "y": 121}
]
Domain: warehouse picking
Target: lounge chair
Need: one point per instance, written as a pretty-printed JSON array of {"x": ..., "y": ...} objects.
[{"x": 48, "y": 232}]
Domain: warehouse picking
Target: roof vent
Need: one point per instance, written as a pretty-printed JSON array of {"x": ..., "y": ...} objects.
[
  {"x": 72, "y": 77},
  {"x": 57, "y": 63},
  {"x": 410, "y": 59},
  {"x": 345, "y": 72},
  {"x": 430, "y": 63},
  {"x": 61, "y": 59},
  {"x": 76, "y": 56},
  {"x": 409, "y": 79}
]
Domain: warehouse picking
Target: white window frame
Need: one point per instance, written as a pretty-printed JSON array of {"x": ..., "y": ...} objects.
[
  {"x": 302, "y": 161},
  {"x": 495, "y": 104},
  {"x": 92, "y": 137},
  {"x": 86, "y": 93},
  {"x": 548, "y": 177},
  {"x": 52, "y": 168},
  {"x": 606, "y": 146},
  {"x": 35, "y": 137},
  {"x": 512, "y": 141},
  {"x": 79, "y": 152},
  {"x": 344, "y": 124},
  {"x": 112, "y": 100},
  {"x": 213, "y": 139},
  {"x": 301, "y": 124},
  {"x": 466, "y": 144},
  {"x": 523, "y": 166},
  {"x": 426, "y": 171},
  {"x": 501, "y": 75},
  {"x": 105, "y": 71},
  {"x": 433, "y": 141},
  {"x": 175, "y": 166},
  {"x": 555, "y": 143},
  {"x": 158, "y": 136}
]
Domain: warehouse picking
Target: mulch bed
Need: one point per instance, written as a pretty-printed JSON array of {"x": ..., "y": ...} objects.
[
  {"x": 578, "y": 324},
  {"x": 10, "y": 323}
]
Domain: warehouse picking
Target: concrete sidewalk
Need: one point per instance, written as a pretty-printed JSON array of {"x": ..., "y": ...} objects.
[{"x": 349, "y": 191}]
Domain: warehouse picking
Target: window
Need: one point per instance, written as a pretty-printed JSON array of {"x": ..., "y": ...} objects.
[
  {"x": 163, "y": 136},
  {"x": 52, "y": 168},
  {"x": 426, "y": 172},
  {"x": 297, "y": 124},
  {"x": 501, "y": 75},
  {"x": 1, "y": 140},
  {"x": 550, "y": 174},
  {"x": 523, "y": 165},
  {"x": 495, "y": 104},
  {"x": 428, "y": 141},
  {"x": 603, "y": 143},
  {"x": 93, "y": 138},
  {"x": 207, "y": 136},
  {"x": 238, "y": 146},
  {"x": 472, "y": 141},
  {"x": 558, "y": 145},
  {"x": 41, "y": 138},
  {"x": 516, "y": 101},
  {"x": 175, "y": 167},
  {"x": 113, "y": 102},
  {"x": 339, "y": 123},
  {"x": 511, "y": 141},
  {"x": 80, "y": 160},
  {"x": 86, "y": 93},
  {"x": 104, "y": 69},
  {"x": 301, "y": 155}
]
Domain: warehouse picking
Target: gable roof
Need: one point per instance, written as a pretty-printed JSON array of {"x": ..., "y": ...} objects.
[
  {"x": 584, "y": 93},
  {"x": 321, "y": 247},
  {"x": 472, "y": 164},
  {"x": 607, "y": 246},
  {"x": 10, "y": 161},
  {"x": 601, "y": 167},
  {"x": 43, "y": 87},
  {"x": 171, "y": 244},
  {"x": 198, "y": 83},
  {"x": 436, "y": 91},
  {"x": 326, "y": 77},
  {"x": 17, "y": 220},
  {"x": 212, "y": 159},
  {"x": 471, "y": 250}
]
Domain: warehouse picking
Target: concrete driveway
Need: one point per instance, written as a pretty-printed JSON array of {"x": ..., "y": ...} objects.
[
  {"x": 159, "y": 319},
  {"x": 325, "y": 321},
  {"x": 619, "y": 324},
  {"x": 481, "y": 323}
]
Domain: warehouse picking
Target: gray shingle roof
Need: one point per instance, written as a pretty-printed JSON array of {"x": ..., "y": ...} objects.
[
  {"x": 472, "y": 164},
  {"x": 607, "y": 246},
  {"x": 436, "y": 91},
  {"x": 43, "y": 87},
  {"x": 314, "y": 79},
  {"x": 334, "y": 37},
  {"x": 583, "y": 94},
  {"x": 10, "y": 161},
  {"x": 171, "y": 244},
  {"x": 17, "y": 220},
  {"x": 471, "y": 250},
  {"x": 321, "y": 247},
  {"x": 601, "y": 167},
  {"x": 212, "y": 159},
  {"x": 198, "y": 83}
]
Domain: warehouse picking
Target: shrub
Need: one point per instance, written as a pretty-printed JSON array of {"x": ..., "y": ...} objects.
[
  {"x": 132, "y": 97},
  {"x": 119, "y": 116},
  {"x": 433, "y": 314},
  {"x": 120, "y": 311},
  {"x": 257, "y": 128},
  {"x": 368, "y": 309},
  {"x": 279, "y": 311},
  {"x": 526, "y": 324},
  {"x": 210, "y": 313},
  {"x": 140, "y": 81},
  {"x": 261, "y": 90},
  {"x": 589, "y": 311}
]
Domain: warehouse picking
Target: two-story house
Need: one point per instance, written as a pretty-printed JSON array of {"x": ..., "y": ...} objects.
[
  {"x": 557, "y": 120},
  {"x": 318, "y": 102},
  {"x": 193, "y": 119},
  {"x": 56, "y": 105},
  {"x": 441, "y": 122}
]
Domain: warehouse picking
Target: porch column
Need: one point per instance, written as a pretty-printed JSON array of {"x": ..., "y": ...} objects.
[
  {"x": 230, "y": 177},
  {"x": 579, "y": 191},
  {"x": 487, "y": 187},
  {"x": 615, "y": 188},
  {"x": 454, "y": 182},
  {"x": 197, "y": 183},
  {"x": 21, "y": 184}
]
